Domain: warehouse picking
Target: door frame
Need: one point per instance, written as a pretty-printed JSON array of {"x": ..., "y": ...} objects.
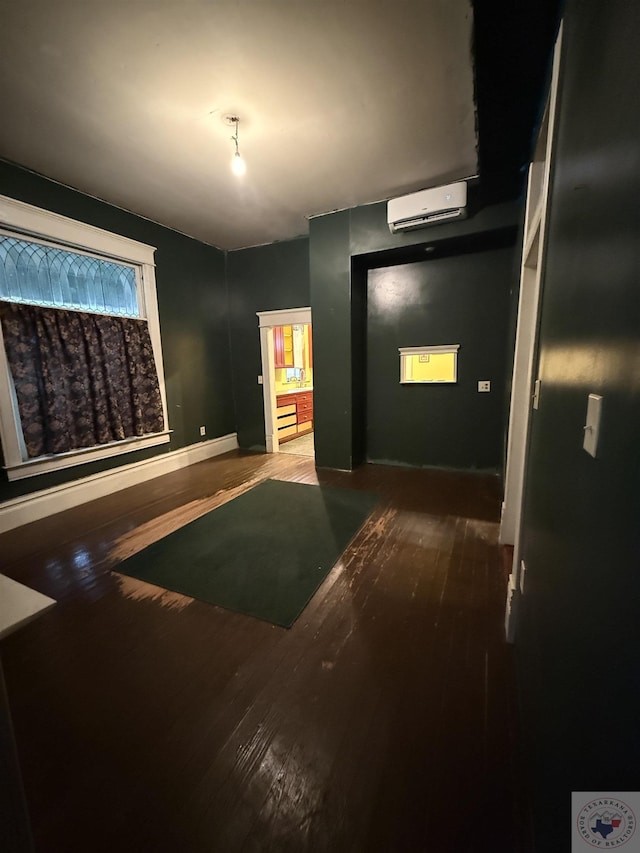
[
  {"x": 267, "y": 320},
  {"x": 524, "y": 402}
]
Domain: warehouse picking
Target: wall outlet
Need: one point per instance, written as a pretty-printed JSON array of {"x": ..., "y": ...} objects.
[
  {"x": 484, "y": 385},
  {"x": 203, "y": 430},
  {"x": 260, "y": 380}
]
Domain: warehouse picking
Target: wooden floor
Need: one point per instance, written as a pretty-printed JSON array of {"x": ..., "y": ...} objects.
[{"x": 384, "y": 720}]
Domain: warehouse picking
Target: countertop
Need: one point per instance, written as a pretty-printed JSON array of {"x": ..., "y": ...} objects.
[
  {"x": 295, "y": 390},
  {"x": 19, "y": 604}
]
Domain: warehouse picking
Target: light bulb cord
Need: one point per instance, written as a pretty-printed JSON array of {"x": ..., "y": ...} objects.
[
  {"x": 237, "y": 163},
  {"x": 235, "y": 139}
]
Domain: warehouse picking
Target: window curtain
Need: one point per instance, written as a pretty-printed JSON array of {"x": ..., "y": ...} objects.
[{"x": 80, "y": 379}]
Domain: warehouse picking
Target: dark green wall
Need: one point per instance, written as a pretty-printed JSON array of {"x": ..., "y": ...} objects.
[
  {"x": 264, "y": 278},
  {"x": 342, "y": 247},
  {"x": 15, "y": 830},
  {"x": 464, "y": 299},
  {"x": 192, "y": 302},
  {"x": 330, "y": 284},
  {"x": 578, "y": 640}
]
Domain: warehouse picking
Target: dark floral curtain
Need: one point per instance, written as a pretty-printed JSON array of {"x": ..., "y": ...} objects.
[{"x": 81, "y": 379}]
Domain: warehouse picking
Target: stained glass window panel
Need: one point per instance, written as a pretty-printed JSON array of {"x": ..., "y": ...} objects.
[{"x": 45, "y": 275}]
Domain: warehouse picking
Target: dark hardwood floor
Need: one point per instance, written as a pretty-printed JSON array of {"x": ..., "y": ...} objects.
[{"x": 384, "y": 720}]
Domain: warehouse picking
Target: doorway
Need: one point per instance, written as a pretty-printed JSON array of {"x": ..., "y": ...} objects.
[{"x": 287, "y": 379}]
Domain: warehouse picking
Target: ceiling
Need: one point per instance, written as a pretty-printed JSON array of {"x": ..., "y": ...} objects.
[{"x": 341, "y": 103}]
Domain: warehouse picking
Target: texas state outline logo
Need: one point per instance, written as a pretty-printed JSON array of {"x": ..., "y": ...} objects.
[{"x": 605, "y": 822}]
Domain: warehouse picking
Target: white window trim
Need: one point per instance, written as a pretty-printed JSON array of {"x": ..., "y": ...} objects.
[
  {"x": 445, "y": 348},
  {"x": 25, "y": 220}
]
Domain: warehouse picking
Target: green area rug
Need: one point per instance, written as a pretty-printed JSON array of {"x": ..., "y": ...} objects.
[{"x": 264, "y": 553}]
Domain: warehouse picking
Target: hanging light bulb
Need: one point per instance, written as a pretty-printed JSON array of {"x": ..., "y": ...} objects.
[{"x": 238, "y": 166}]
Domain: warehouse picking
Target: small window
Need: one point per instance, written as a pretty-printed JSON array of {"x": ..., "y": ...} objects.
[{"x": 424, "y": 365}]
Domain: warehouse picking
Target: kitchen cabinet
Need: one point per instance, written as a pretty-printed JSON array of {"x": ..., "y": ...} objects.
[
  {"x": 283, "y": 346},
  {"x": 278, "y": 347},
  {"x": 287, "y": 337},
  {"x": 294, "y": 414}
]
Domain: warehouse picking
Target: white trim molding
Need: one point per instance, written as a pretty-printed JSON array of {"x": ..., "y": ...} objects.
[
  {"x": 529, "y": 306},
  {"x": 28, "y": 508},
  {"x": 37, "y": 222},
  {"x": 33, "y": 467},
  {"x": 525, "y": 387},
  {"x": 284, "y": 317}
]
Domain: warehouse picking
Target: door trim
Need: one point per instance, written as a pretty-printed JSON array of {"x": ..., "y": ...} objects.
[{"x": 525, "y": 367}]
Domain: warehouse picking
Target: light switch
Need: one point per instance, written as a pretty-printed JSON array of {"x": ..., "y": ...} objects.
[{"x": 592, "y": 426}]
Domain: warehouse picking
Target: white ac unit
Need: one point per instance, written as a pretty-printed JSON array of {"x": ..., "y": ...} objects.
[{"x": 427, "y": 207}]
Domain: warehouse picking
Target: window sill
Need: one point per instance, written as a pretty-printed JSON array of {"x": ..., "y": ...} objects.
[{"x": 45, "y": 464}]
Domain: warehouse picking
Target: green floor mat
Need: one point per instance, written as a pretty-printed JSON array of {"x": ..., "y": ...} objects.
[{"x": 263, "y": 553}]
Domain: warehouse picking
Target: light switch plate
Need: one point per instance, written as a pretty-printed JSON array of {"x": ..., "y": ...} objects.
[{"x": 592, "y": 425}]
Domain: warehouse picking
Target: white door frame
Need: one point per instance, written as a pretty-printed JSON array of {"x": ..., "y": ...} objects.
[
  {"x": 528, "y": 311},
  {"x": 267, "y": 320},
  {"x": 524, "y": 367}
]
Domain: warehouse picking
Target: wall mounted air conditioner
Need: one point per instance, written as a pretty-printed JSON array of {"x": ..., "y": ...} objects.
[{"x": 427, "y": 207}]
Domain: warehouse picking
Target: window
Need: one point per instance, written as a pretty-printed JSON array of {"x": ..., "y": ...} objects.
[
  {"x": 420, "y": 365},
  {"x": 35, "y": 273},
  {"x": 74, "y": 298}
]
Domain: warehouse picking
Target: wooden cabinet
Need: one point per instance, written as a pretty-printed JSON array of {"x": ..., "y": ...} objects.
[
  {"x": 283, "y": 346},
  {"x": 304, "y": 411},
  {"x": 278, "y": 347},
  {"x": 294, "y": 414},
  {"x": 287, "y": 338},
  {"x": 287, "y": 420}
]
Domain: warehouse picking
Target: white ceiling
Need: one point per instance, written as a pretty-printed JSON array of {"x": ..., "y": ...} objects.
[{"x": 341, "y": 102}]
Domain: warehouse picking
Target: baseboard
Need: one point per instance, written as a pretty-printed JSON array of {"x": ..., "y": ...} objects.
[{"x": 27, "y": 508}]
